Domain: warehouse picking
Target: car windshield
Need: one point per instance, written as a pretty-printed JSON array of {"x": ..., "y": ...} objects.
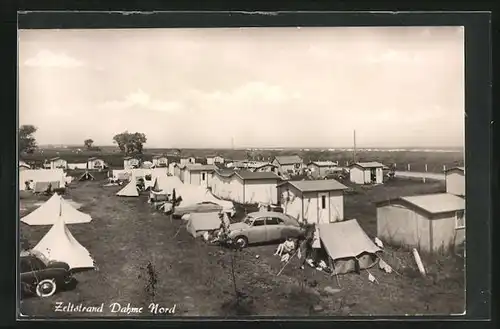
[{"x": 248, "y": 220}]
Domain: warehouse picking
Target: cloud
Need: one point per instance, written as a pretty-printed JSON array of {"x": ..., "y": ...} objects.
[
  {"x": 46, "y": 58},
  {"x": 144, "y": 101}
]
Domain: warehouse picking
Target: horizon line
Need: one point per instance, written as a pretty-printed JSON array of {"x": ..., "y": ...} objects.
[{"x": 264, "y": 148}]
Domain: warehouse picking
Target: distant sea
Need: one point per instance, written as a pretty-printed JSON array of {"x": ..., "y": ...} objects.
[{"x": 372, "y": 149}]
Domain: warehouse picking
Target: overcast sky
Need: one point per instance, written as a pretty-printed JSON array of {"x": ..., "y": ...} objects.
[{"x": 265, "y": 87}]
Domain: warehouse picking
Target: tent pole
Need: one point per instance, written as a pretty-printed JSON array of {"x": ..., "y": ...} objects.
[{"x": 332, "y": 264}]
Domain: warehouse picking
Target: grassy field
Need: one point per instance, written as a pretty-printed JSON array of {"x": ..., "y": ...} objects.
[
  {"x": 128, "y": 234},
  {"x": 417, "y": 160}
]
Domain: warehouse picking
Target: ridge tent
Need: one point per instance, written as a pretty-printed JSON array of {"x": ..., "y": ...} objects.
[
  {"x": 60, "y": 245},
  {"x": 348, "y": 246},
  {"x": 53, "y": 209},
  {"x": 129, "y": 190},
  {"x": 121, "y": 174},
  {"x": 86, "y": 176},
  {"x": 156, "y": 173},
  {"x": 199, "y": 223},
  {"x": 41, "y": 187},
  {"x": 41, "y": 175},
  {"x": 166, "y": 184}
]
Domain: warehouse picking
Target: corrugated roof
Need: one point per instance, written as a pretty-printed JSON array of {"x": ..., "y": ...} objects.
[
  {"x": 226, "y": 172},
  {"x": 288, "y": 159},
  {"x": 437, "y": 203},
  {"x": 317, "y": 185},
  {"x": 247, "y": 175},
  {"x": 324, "y": 163},
  {"x": 371, "y": 164},
  {"x": 200, "y": 167}
]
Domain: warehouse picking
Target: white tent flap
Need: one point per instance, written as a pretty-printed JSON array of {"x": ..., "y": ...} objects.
[
  {"x": 60, "y": 245},
  {"x": 129, "y": 190}
]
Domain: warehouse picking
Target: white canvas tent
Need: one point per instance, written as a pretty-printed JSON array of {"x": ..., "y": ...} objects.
[
  {"x": 193, "y": 194},
  {"x": 199, "y": 223},
  {"x": 158, "y": 172},
  {"x": 167, "y": 184},
  {"x": 41, "y": 175},
  {"x": 53, "y": 209},
  {"x": 129, "y": 190},
  {"x": 140, "y": 173},
  {"x": 60, "y": 245},
  {"x": 121, "y": 174},
  {"x": 348, "y": 246}
]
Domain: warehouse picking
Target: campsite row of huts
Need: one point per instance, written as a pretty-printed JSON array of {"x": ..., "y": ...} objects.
[
  {"x": 429, "y": 221},
  {"x": 92, "y": 163}
]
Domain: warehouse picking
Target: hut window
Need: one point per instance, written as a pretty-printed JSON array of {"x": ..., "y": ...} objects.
[
  {"x": 459, "y": 219},
  {"x": 202, "y": 176},
  {"x": 323, "y": 202}
]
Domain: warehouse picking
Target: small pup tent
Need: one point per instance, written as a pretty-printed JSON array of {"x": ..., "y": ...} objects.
[
  {"x": 348, "y": 246},
  {"x": 53, "y": 209},
  {"x": 60, "y": 245},
  {"x": 199, "y": 223},
  {"x": 86, "y": 176},
  {"x": 129, "y": 190}
]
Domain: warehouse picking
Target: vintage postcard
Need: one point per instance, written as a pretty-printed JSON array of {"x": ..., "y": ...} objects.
[{"x": 241, "y": 172}]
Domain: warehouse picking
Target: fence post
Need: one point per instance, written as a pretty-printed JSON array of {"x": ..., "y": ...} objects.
[
  {"x": 444, "y": 167},
  {"x": 425, "y": 172},
  {"x": 409, "y": 167}
]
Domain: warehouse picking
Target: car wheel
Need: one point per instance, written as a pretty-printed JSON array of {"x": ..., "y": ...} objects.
[
  {"x": 242, "y": 241},
  {"x": 46, "y": 288}
]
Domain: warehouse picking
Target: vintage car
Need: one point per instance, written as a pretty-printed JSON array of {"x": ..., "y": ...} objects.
[
  {"x": 42, "y": 277},
  {"x": 265, "y": 226}
]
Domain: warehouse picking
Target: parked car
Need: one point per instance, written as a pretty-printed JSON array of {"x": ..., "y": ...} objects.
[
  {"x": 265, "y": 226},
  {"x": 42, "y": 277}
]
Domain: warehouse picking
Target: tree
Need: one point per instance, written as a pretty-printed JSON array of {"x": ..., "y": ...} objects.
[
  {"x": 88, "y": 143},
  {"x": 130, "y": 143},
  {"x": 27, "y": 141}
]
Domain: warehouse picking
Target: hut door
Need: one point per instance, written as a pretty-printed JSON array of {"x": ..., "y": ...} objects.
[
  {"x": 323, "y": 208},
  {"x": 204, "y": 179}
]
